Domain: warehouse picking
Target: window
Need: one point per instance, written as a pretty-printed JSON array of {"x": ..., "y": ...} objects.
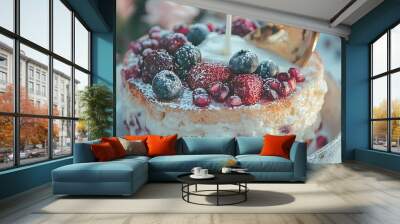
[
  {"x": 385, "y": 94},
  {"x": 48, "y": 78}
]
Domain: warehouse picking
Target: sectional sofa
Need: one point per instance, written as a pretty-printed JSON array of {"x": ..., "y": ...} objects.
[{"x": 125, "y": 176}]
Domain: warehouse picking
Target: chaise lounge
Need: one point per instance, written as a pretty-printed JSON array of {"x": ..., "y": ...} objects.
[{"x": 125, "y": 176}]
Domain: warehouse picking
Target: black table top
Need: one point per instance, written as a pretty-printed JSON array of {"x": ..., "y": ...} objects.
[{"x": 220, "y": 178}]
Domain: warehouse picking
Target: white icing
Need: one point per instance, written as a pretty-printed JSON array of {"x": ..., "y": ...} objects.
[{"x": 212, "y": 50}]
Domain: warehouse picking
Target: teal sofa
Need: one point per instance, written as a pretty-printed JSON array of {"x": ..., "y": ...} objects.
[{"x": 125, "y": 176}]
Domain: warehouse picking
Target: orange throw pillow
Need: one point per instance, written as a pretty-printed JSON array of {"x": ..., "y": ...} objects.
[
  {"x": 116, "y": 145},
  {"x": 277, "y": 145},
  {"x": 161, "y": 145},
  {"x": 103, "y": 152},
  {"x": 135, "y": 137}
]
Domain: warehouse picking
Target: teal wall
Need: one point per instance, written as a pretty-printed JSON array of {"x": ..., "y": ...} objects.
[
  {"x": 99, "y": 16},
  {"x": 356, "y": 86}
]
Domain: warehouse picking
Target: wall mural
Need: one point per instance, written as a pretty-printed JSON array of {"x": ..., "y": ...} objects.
[{"x": 196, "y": 72}]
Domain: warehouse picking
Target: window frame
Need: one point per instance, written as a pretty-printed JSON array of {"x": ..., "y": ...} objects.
[
  {"x": 388, "y": 74},
  {"x": 16, "y": 115}
]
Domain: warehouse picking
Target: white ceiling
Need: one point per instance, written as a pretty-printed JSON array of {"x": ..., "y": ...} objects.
[{"x": 317, "y": 15}]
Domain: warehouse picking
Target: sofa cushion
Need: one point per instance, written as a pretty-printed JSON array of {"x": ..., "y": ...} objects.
[
  {"x": 249, "y": 145},
  {"x": 112, "y": 171},
  {"x": 185, "y": 163},
  {"x": 257, "y": 163},
  {"x": 103, "y": 152},
  {"x": 207, "y": 145},
  {"x": 83, "y": 152}
]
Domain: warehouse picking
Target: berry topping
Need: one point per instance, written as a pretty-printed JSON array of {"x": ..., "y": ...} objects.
[
  {"x": 273, "y": 84},
  {"x": 248, "y": 87},
  {"x": 285, "y": 90},
  {"x": 166, "y": 85},
  {"x": 132, "y": 64},
  {"x": 292, "y": 84},
  {"x": 175, "y": 41},
  {"x": 197, "y": 33},
  {"x": 270, "y": 94},
  {"x": 186, "y": 57},
  {"x": 201, "y": 97},
  {"x": 321, "y": 141},
  {"x": 136, "y": 47},
  {"x": 204, "y": 74},
  {"x": 219, "y": 91},
  {"x": 242, "y": 26},
  {"x": 147, "y": 51},
  {"x": 154, "y": 62},
  {"x": 295, "y": 73},
  {"x": 243, "y": 61},
  {"x": 181, "y": 28},
  {"x": 283, "y": 76},
  {"x": 164, "y": 40},
  {"x": 267, "y": 69},
  {"x": 155, "y": 33},
  {"x": 233, "y": 101},
  {"x": 211, "y": 27},
  {"x": 150, "y": 43}
]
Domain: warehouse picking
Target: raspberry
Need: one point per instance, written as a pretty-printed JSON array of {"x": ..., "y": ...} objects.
[
  {"x": 197, "y": 33},
  {"x": 267, "y": 69},
  {"x": 181, "y": 28},
  {"x": 292, "y": 84},
  {"x": 248, "y": 87},
  {"x": 155, "y": 33},
  {"x": 242, "y": 26},
  {"x": 150, "y": 43},
  {"x": 147, "y": 51},
  {"x": 204, "y": 74},
  {"x": 233, "y": 101},
  {"x": 136, "y": 47},
  {"x": 243, "y": 61},
  {"x": 321, "y": 141},
  {"x": 285, "y": 90},
  {"x": 211, "y": 27},
  {"x": 219, "y": 91},
  {"x": 295, "y": 72},
  {"x": 166, "y": 85},
  {"x": 201, "y": 97},
  {"x": 270, "y": 94},
  {"x": 283, "y": 76},
  {"x": 273, "y": 84},
  {"x": 164, "y": 40},
  {"x": 154, "y": 62},
  {"x": 175, "y": 41},
  {"x": 132, "y": 64}
]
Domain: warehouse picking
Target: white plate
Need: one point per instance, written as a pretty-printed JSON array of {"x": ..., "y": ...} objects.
[{"x": 208, "y": 176}]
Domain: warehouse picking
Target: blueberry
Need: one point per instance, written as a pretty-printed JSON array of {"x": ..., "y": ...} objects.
[
  {"x": 166, "y": 85},
  {"x": 197, "y": 33},
  {"x": 267, "y": 69},
  {"x": 243, "y": 62}
]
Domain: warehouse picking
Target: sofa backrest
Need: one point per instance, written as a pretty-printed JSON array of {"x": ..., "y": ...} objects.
[
  {"x": 249, "y": 145},
  {"x": 206, "y": 145},
  {"x": 83, "y": 152}
]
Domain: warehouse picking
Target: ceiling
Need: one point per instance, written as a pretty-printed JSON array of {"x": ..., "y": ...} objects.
[{"x": 329, "y": 16}]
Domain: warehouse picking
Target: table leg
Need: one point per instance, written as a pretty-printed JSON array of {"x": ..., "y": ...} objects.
[
  {"x": 195, "y": 188},
  {"x": 245, "y": 193},
  {"x": 217, "y": 194}
]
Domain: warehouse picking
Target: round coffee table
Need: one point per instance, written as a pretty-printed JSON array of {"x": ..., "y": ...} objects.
[{"x": 238, "y": 179}]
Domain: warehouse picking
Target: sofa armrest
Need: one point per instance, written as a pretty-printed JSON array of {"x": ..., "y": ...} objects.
[
  {"x": 83, "y": 152},
  {"x": 298, "y": 155}
]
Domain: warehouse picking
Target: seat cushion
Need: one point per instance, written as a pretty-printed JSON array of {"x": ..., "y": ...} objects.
[
  {"x": 112, "y": 171},
  {"x": 185, "y": 163},
  {"x": 207, "y": 145},
  {"x": 257, "y": 163},
  {"x": 249, "y": 145}
]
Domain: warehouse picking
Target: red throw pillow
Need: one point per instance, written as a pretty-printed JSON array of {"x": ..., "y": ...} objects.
[
  {"x": 103, "y": 152},
  {"x": 277, "y": 145},
  {"x": 135, "y": 137},
  {"x": 161, "y": 145},
  {"x": 116, "y": 145}
]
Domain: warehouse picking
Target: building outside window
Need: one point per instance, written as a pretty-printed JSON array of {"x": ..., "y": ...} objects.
[
  {"x": 58, "y": 128},
  {"x": 385, "y": 94}
]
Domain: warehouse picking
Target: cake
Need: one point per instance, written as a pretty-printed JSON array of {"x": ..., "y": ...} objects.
[{"x": 181, "y": 82}]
